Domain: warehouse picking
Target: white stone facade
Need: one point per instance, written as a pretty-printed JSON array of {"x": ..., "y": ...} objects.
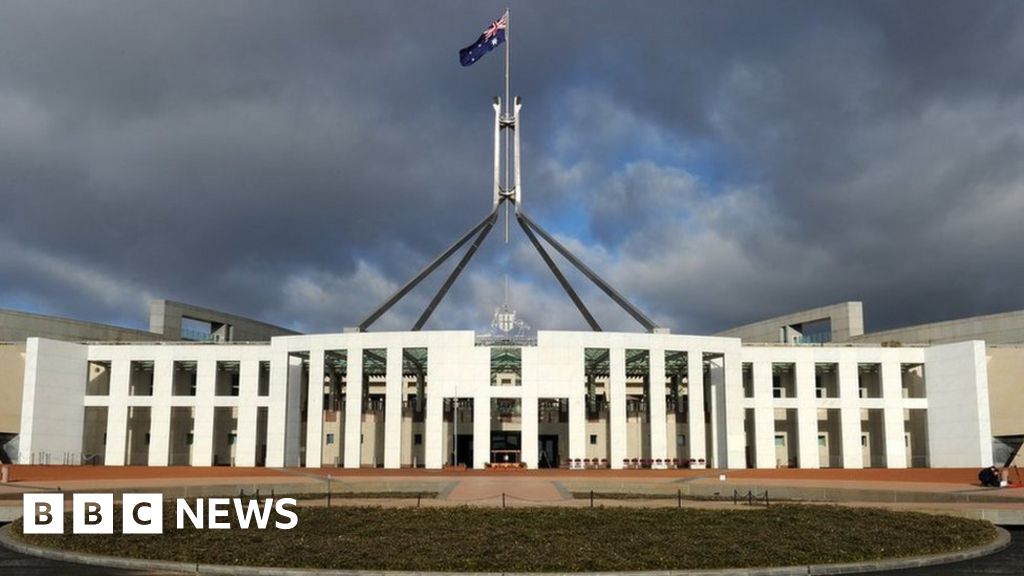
[{"x": 738, "y": 406}]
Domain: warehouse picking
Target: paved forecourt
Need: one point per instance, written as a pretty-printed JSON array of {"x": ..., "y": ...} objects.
[{"x": 952, "y": 491}]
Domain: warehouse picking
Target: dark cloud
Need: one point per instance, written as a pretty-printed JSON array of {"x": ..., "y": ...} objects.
[{"x": 719, "y": 162}]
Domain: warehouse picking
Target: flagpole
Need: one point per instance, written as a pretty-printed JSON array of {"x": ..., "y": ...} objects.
[{"x": 508, "y": 40}]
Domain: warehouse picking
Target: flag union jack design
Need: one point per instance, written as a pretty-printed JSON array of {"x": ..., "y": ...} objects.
[
  {"x": 492, "y": 30},
  {"x": 492, "y": 37}
]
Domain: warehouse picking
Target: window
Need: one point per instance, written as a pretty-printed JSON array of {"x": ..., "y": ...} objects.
[
  {"x": 330, "y": 438},
  {"x": 681, "y": 440},
  {"x": 780, "y": 440},
  {"x": 231, "y": 438},
  {"x": 777, "y": 392},
  {"x": 263, "y": 387},
  {"x": 417, "y": 439},
  {"x": 593, "y": 439}
]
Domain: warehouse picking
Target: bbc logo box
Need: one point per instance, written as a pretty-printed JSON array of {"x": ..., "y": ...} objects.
[{"x": 92, "y": 514}]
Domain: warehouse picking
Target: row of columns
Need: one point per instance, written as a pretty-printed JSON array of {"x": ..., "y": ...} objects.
[
  {"x": 849, "y": 404},
  {"x": 203, "y": 405},
  {"x": 529, "y": 396}
]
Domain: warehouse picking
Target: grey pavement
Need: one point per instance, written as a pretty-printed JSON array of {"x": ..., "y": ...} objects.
[
  {"x": 1008, "y": 562},
  {"x": 16, "y": 564}
]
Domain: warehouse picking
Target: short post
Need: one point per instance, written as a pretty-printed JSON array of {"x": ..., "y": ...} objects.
[
  {"x": 679, "y": 498},
  {"x": 328, "y": 490},
  {"x": 765, "y": 498},
  {"x": 502, "y": 499},
  {"x": 5, "y": 475},
  {"x": 735, "y": 497},
  {"x": 418, "y": 496},
  {"x": 591, "y": 498},
  {"x": 750, "y": 498}
]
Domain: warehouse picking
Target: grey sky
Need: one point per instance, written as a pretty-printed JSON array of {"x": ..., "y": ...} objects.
[{"x": 719, "y": 162}]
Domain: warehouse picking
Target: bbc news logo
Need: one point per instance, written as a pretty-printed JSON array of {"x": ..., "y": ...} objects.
[{"x": 144, "y": 513}]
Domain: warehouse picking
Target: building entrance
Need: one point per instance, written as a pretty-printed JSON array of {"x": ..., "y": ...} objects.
[
  {"x": 547, "y": 451},
  {"x": 506, "y": 448},
  {"x": 464, "y": 455}
]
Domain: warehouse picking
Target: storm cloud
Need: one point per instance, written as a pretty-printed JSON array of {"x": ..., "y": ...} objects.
[{"x": 717, "y": 162}]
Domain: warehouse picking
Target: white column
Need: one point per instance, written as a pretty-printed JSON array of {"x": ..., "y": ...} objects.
[
  {"x": 245, "y": 439},
  {"x": 354, "y": 408},
  {"x": 617, "y": 440},
  {"x": 117, "y": 432},
  {"x": 731, "y": 404},
  {"x": 315, "y": 409},
  {"x": 393, "y": 392},
  {"x": 277, "y": 410},
  {"x": 530, "y": 435},
  {"x": 892, "y": 394},
  {"x": 160, "y": 415},
  {"x": 849, "y": 413},
  {"x": 806, "y": 415},
  {"x": 434, "y": 456},
  {"x": 117, "y": 414},
  {"x": 695, "y": 419},
  {"x": 659, "y": 447},
  {"x": 202, "y": 439},
  {"x": 764, "y": 415},
  {"x": 481, "y": 428}
]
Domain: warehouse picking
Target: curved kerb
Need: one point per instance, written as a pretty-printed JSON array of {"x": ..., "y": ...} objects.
[{"x": 7, "y": 539}]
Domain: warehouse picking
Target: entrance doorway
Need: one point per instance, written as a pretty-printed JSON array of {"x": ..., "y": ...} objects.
[
  {"x": 547, "y": 451},
  {"x": 464, "y": 454},
  {"x": 781, "y": 450},
  {"x": 506, "y": 447}
]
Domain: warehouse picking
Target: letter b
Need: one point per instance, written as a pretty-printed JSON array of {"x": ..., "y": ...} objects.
[
  {"x": 43, "y": 513},
  {"x": 93, "y": 514}
]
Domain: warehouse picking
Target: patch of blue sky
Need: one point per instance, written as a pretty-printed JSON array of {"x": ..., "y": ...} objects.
[{"x": 24, "y": 303}]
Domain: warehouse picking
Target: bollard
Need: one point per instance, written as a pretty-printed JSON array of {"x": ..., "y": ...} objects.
[
  {"x": 765, "y": 498},
  {"x": 591, "y": 498},
  {"x": 735, "y": 497},
  {"x": 328, "y": 490},
  {"x": 679, "y": 498},
  {"x": 5, "y": 475},
  {"x": 502, "y": 499},
  {"x": 418, "y": 496}
]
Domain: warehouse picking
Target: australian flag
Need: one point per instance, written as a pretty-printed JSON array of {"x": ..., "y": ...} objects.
[{"x": 492, "y": 37}]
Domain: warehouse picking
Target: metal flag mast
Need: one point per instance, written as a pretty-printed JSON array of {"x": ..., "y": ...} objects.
[{"x": 508, "y": 191}]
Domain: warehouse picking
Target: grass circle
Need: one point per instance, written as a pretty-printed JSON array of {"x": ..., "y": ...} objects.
[{"x": 551, "y": 539}]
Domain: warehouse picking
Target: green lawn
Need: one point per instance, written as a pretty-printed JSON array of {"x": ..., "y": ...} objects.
[{"x": 553, "y": 539}]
